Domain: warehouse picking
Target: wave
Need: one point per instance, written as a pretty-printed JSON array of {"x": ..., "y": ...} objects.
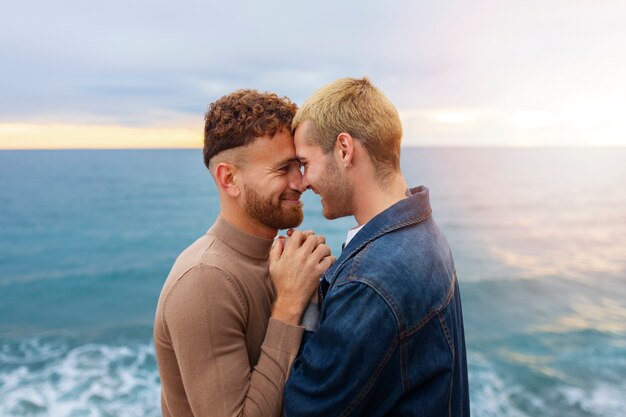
[
  {"x": 49, "y": 377},
  {"x": 574, "y": 373},
  {"x": 54, "y": 376},
  {"x": 496, "y": 394}
]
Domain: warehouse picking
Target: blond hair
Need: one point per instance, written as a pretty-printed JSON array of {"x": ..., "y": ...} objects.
[{"x": 357, "y": 107}]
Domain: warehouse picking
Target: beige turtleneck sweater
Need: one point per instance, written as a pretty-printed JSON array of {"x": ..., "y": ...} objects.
[{"x": 218, "y": 351}]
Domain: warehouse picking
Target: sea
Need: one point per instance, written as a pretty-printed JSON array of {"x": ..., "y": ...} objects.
[{"x": 87, "y": 238}]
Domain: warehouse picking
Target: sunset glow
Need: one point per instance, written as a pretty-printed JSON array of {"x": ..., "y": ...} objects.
[{"x": 35, "y": 136}]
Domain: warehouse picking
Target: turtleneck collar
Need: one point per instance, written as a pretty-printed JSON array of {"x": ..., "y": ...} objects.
[{"x": 245, "y": 243}]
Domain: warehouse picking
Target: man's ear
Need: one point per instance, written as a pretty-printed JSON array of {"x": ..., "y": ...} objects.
[
  {"x": 227, "y": 176},
  {"x": 345, "y": 149}
]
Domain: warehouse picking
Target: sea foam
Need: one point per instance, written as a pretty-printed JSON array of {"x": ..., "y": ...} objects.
[{"x": 53, "y": 379}]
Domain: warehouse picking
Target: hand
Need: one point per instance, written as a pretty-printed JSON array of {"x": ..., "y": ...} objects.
[{"x": 296, "y": 264}]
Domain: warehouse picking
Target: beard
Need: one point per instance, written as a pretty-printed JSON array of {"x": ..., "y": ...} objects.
[
  {"x": 271, "y": 213},
  {"x": 336, "y": 192}
]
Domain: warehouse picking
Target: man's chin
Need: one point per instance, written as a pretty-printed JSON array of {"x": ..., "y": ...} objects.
[{"x": 330, "y": 214}]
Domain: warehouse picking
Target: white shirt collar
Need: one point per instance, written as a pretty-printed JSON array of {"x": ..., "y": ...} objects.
[{"x": 351, "y": 233}]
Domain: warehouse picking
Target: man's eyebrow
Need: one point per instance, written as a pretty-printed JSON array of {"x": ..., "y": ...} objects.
[{"x": 286, "y": 161}]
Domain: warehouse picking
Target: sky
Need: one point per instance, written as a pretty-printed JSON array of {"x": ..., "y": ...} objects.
[{"x": 120, "y": 74}]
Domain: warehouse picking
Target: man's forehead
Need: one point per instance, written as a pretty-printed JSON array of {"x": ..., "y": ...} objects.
[
  {"x": 300, "y": 141},
  {"x": 286, "y": 161},
  {"x": 302, "y": 130},
  {"x": 306, "y": 150},
  {"x": 278, "y": 149}
]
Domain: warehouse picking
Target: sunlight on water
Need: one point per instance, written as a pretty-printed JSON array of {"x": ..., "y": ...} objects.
[{"x": 605, "y": 315}]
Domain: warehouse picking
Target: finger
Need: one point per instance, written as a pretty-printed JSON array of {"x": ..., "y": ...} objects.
[
  {"x": 304, "y": 233},
  {"x": 295, "y": 240},
  {"x": 277, "y": 249},
  {"x": 299, "y": 237},
  {"x": 310, "y": 244},
  {"x": 321, "y": 252},
  {"x": 326, "y": 263},
  {"x": 307, "y": 232}
]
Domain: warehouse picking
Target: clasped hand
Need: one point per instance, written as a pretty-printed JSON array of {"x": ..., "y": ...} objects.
[{"x": 296, "y": 264}]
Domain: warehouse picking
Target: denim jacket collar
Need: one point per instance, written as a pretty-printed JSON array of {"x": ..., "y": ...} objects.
[{"x": 405, "y": 212}]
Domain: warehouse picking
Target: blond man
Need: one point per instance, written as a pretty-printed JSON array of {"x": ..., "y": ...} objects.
[{"x": 390, "y": 340}]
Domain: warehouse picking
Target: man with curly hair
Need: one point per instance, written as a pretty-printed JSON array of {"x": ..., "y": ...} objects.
[{"x": 225, "y": 333}]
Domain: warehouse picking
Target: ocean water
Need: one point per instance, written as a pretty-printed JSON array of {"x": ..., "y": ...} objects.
[{"x": 88, "y": 237}]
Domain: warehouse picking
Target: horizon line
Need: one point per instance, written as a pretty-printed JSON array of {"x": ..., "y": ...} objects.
[{"x": 449, "y": 146}]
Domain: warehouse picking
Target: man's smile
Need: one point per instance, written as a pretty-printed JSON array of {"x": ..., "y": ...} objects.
[{"x": 293, "y": 199}]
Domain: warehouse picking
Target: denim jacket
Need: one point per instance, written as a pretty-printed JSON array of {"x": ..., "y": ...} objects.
[{"x": 390, "y": 340}]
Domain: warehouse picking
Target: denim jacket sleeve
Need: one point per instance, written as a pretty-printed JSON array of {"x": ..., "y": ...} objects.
[{"x": 339, "y": 367}]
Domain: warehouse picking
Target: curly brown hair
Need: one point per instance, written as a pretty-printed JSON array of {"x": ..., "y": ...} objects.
[{"x": 238, "y": 118}]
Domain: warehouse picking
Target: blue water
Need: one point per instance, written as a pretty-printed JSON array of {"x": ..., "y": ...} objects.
[{"x": 88, "y": 237}]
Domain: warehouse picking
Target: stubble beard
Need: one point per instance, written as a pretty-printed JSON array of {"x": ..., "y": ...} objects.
[
  {"x": 336, "y": 192},
  {"x": 271, "y": 213}
]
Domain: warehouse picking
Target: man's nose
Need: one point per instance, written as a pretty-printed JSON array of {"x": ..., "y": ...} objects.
[
  {"x": 296, "y": 181},
  {"x": 305, "y": 182}
]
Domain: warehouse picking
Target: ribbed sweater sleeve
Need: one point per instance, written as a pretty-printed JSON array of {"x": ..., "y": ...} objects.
[{"x": 204, "y": 317}]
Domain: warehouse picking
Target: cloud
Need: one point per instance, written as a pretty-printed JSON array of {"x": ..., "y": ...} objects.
[{"x": 159, "y": 64}]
